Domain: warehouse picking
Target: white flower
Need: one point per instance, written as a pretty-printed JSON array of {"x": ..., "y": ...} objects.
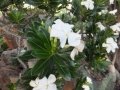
[
  {"x": 116, "y": 27},
  {"x": 103, "y": 12},
  {"x": 69, "y": 6},
  {"x": 89, "y": 80},
  {"x": 44, "y": 83},
  {"x": 63, "y": 31},
  {"x": 85, "y": 87},
  {"x": 100, "y": 26},
  {"x": 111, "y": 1},
  {"x": 113, "y": 12},
  {"x": 77, "y": 49},
  {"x": 28, "y": 6},
  {"x": 110, "y": 45},
  {"x": 34, "y": 83},
  {"x": 89, "y": 4}
]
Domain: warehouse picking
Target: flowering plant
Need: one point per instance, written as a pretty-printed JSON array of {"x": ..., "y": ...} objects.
[
  {"x": 90, "y": 34},
  {"x": 72, "y": 34}
]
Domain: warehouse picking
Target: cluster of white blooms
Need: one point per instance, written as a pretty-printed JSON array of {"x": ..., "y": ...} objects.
[
  {"x": 110, "y": 45},
  {"x": 113, "y": 12},
  {"x": 28, "y": 6},
  {"x": 105, "y": 11},
  {"x": 63, "y": 31},
  {"x": 44, "y": 83},
  {"x": 89, "y": 4},
  {"x": 86, "y": 85}
]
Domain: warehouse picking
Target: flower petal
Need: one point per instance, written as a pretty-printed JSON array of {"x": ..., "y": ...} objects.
[
  {"x": 89, "y": 80},
  {"x": 100, "y": 26},
  {"x": 89, "y": 4},
  {"x": 81, "y": 46},
  {"x": 74, "y": 39},
  {"x": 33, "y": 83},
  {"x": 115, "y": 27},
  {"x": 63, "y": 41},
  {"x": 51, "y": 79},
  {"x": 85, "y": 87},
  {"x": 52, "y": 87},
  {"x": 43, "y": 82},
  {"x": 58, "y": 21},
  {"x": 40, "y": 88},
  {"x": 73, "y": 53},
  {"x": 56, "y": 31},
  {"x": 111, "y": 1},
  {"x": 113, "y": 12},
  {"x": 108, "y": 49},
  {"x": 61, "y": 30}
]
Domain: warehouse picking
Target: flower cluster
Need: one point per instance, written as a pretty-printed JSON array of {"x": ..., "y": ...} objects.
[
  {"x": 28, "y": 6},
  {"x": 44, "y": 83},
  {"x": 63, "y": 31}
]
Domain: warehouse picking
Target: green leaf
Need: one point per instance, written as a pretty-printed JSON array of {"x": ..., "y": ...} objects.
[
  {"x": 39, "y": 40},
  {"x": 26, "y": 56},
  {"x": 62, "y": 67},
  {"x": 42, "y": 67}
]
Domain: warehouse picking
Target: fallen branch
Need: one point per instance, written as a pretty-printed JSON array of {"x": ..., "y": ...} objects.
[{"x": 22, "y": 63}]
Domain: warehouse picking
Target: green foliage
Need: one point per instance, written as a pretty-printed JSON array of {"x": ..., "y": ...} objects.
[
  {"x": 101, "y": 3},
  {"x": 4, "y": 47},
  {"x": 51, "y": 6},
  {"x": 4, "y": 3},
  {"x": 100, "y": 65},
  {"x": 86, "y": 20},
  {"x": 16, "y": 16}
]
